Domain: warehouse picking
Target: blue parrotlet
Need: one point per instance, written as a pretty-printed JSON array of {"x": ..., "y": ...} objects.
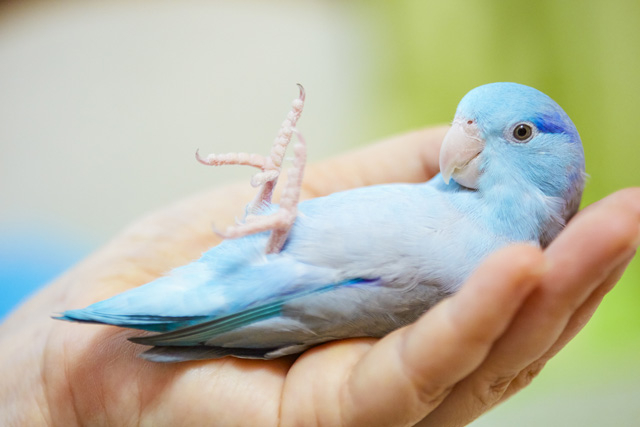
[{"x": 364, "y": 262}]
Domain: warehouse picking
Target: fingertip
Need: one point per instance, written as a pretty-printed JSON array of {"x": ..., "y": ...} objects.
[
  {"x": 627, "y": 198},
  {"x": 617, "y": 214},
  {"x": 527, "y": 258},
  {"x": 517, "y": 263},
  {"x": 611, "y": 229},
  {"x": 623, "y": 228}
]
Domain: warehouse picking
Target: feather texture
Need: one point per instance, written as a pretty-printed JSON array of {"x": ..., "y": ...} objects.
[{"x": 367, "y": 261}]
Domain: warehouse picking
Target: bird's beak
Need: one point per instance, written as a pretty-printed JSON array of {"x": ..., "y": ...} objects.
[{"x": 460, "y": 153}]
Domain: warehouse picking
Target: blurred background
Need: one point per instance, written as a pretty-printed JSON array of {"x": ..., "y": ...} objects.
[{"x": 103, "y": 104}]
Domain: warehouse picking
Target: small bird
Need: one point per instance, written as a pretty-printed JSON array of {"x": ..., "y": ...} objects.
[{"x": 363, "y": 262}]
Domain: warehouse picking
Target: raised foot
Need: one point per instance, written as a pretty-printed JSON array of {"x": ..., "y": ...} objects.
[{"x": 281, "y": 221}]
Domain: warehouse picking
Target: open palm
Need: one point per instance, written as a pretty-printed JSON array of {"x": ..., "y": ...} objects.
[{"x": 458, "y": 360}]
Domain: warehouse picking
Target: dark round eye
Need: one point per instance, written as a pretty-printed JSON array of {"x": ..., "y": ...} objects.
[{"x": 522, "y": 132}]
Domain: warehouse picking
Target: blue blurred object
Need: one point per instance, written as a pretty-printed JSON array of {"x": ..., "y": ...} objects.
[{"x": 29, "y": 259}]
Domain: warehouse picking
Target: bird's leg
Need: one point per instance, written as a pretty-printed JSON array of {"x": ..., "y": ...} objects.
[
  {"x": 281, "y": 221},
  {"x": 288, "y": 210}
]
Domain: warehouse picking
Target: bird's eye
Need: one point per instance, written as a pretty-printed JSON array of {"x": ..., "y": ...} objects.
[{"x": 522, "y": 132}]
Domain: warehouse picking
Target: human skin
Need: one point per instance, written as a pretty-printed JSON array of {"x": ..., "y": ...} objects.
[{"x": 461, "y": 358}]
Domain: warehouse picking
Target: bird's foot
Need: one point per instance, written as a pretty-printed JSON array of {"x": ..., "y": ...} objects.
[{"x": 281, "y": 221}]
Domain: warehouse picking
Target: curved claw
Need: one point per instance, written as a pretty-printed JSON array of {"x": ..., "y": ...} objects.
[
  {"x": 303, "y": 94},
  {"x": 200, "y": 159}
]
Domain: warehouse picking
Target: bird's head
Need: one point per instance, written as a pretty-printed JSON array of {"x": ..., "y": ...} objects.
[{"x": 511, "y": 134}]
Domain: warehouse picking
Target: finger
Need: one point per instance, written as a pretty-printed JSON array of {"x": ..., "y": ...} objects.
[
  {"x": 581, "y": 261},
  {"x": 580, "y": 318},
  {"x": 582, "y": 258},
  {"x": 409, "y": 372},
  {"x": 629, "y": 201},
  {"x": 490, "y": 385},
  {"x": 628, "y": 198},
  {"x": 576, "y": 323},
  {"x": 411, "y": 157}
]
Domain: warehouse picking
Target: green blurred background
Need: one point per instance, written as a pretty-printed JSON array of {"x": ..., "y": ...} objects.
[
  {"x": 586, "y": 55},
  {"x": 103, "y": 103}
]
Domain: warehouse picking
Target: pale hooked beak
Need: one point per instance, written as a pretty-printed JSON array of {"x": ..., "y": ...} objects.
[{"x": 460, "y": 153}]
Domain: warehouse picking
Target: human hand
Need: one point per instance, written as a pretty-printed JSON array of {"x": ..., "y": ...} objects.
[{"x": 462, "y": 357}]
